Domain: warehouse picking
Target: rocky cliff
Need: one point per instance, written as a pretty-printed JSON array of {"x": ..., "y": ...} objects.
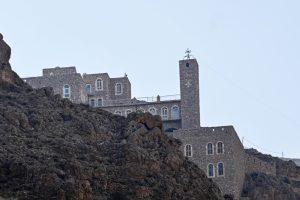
[
  {"x": 285, "y": 185},
  {"x": 53, "y": 149}
]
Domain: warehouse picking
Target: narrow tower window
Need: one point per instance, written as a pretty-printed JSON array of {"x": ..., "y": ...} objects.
[
  {"x": 210, "y": 170},
  {"x": 188, "y": 152},
  {"x": 118, "y": 88},
  {"x": 88, "y": 88},
  {"x": 66, "y": 91},
  {"x": 100, "y": 103},
  {"x": 92, "y": 102},
  {"x": 164, "y": 113},
  {"x": 128, "y": 112},
  {"x": 99, "y": 84},
  {"x": 220, "y": 147},
  {"x": 210, "y": 149},
  {"x": 220, "y": 169},
  {"x": 175, "y": 112}
]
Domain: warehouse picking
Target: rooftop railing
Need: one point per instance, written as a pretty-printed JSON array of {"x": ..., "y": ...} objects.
[
  {"x": 140, "y": 100},
  {"x": 160, "y": 98}
]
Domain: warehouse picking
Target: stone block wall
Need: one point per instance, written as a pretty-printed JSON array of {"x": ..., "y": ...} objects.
[
  {"x": 57, "y": 71},
  {"x": 172, "y": 121},
  {"x": 126, "y": 93},
  {"x": 57, "y": 82},
  {"x": 232, "y": 157},
  {"x": 254, "y": 164},
  {"x": 189, "y": 92},
  {"x": 91, "y": 79}
]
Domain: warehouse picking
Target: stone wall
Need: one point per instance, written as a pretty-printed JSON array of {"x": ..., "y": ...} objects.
[
  {"x": 126, "y": 93},
  {"x": 57, "y": 71},
  {"x": 57, "y": 82},
  {"x": 254, "y": 164},
  {"x": 232, "y": 157},
  {"x": 172, "y": 121},
  {"x": 189, "y": 91}
]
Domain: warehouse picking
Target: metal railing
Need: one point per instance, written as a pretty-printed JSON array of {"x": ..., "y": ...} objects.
[
  {"x": 138, "y": 101},
  {"x": 160, "y": 98}
]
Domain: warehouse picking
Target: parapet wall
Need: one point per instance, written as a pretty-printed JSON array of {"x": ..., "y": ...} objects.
[
  {"x": 59, "y": 71},
  {"x": 254, "y": 164}
]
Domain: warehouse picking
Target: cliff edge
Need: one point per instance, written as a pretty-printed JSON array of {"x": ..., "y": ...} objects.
[{"x": 53, "y": 149}]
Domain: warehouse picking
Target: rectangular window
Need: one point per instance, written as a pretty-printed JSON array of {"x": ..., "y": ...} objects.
[
  {"x": 118, "y": 88},
  {"x": 92, "y": 102},
  {"x": 88, "y": 88},
  {"x": 100, "y": 103}
]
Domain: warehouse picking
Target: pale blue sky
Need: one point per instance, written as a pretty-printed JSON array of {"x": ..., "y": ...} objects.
[{"x": 248, "y": 52}]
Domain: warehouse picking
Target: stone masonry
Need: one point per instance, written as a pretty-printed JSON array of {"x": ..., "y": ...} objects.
[
  {"x": 232, "y": 155},
  {"x": 216, "y": 150}
]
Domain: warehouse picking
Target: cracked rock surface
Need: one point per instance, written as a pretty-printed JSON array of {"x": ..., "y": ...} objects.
[{"x": 51, "y": 148}]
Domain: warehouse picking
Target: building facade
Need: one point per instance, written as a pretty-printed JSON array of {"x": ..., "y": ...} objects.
[{"x": 216, "y": 150}]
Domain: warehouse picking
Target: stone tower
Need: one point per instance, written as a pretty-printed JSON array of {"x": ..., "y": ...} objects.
[{"x": 189, "y": 90}]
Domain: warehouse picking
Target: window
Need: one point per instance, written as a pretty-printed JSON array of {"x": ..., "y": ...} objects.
[
  {"x": 141, "y": 110},
  {"x": 99, "y": 103},
  {"x": 118, "y": 88},
  {"x": 92, "y": 102},
  {"x": 152, "y": 111},
  {"x": 117, "y": 112},
  {"x": 210, "y": 170},
  {"x": 188, "y": 150},
  {"x": 66, "y": 91},
  {"x": 209, "y": 149},
  {"x": 220, "y": 169},
  {"x": 128, "y": 112},
  {"x": 99, "y": 84},
  {"x": 175, "y": 112},
  {"x": 220, "y": 147},
  {"x": 164, "y": 113},
  {"x": 88, "y": 88}
]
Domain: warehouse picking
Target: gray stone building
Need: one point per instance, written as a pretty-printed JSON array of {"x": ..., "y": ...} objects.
[
  {"x": 216, "y": 150},
  {"x": 111, "y": 94}
]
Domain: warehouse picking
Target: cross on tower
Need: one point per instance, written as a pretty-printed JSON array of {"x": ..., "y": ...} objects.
[{"x": 187, "y": 53}]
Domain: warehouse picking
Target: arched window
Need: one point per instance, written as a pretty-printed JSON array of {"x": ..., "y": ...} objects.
[
  {"x": 99, "y": 84},
  {"x": 118, "y": 112},
  {"x": 152, "y": 110},
  {"x": 175, "y": 113},
  {"x": 118, "y": 88},
  {"x": 220, "y": 169},
  {"x": 220, "y": 147},
  {"x": 100, "y": 102},
  {"x": 128, "y": 112},
  {"x": 141, "y": 110},
  {"x": 88, "y": 88},
  {"x": 66, "y": 91},
  {"x": 210, "y": 171},
  {"x": 164, "y": 113},
  {"x": 188, "y": 151},
  {"x": 210, "y": 149},
  {"x": 92, "y": 102}
]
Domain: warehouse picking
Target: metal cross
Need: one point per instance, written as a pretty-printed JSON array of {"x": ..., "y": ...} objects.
[{"x": 188, "y": 52}]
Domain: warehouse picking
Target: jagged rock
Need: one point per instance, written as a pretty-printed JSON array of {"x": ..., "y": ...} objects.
[
  {"x": 53, "y": 149},
  {"x": 5, "y": 52},
  {"x": 262, "y": 186},
  {"x": 284, "y": 186}
]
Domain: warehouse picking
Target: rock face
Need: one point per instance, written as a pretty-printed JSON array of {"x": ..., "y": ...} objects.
[
  {"x": 53, "y": 149},
  {"x": 284, "y": 186}
]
